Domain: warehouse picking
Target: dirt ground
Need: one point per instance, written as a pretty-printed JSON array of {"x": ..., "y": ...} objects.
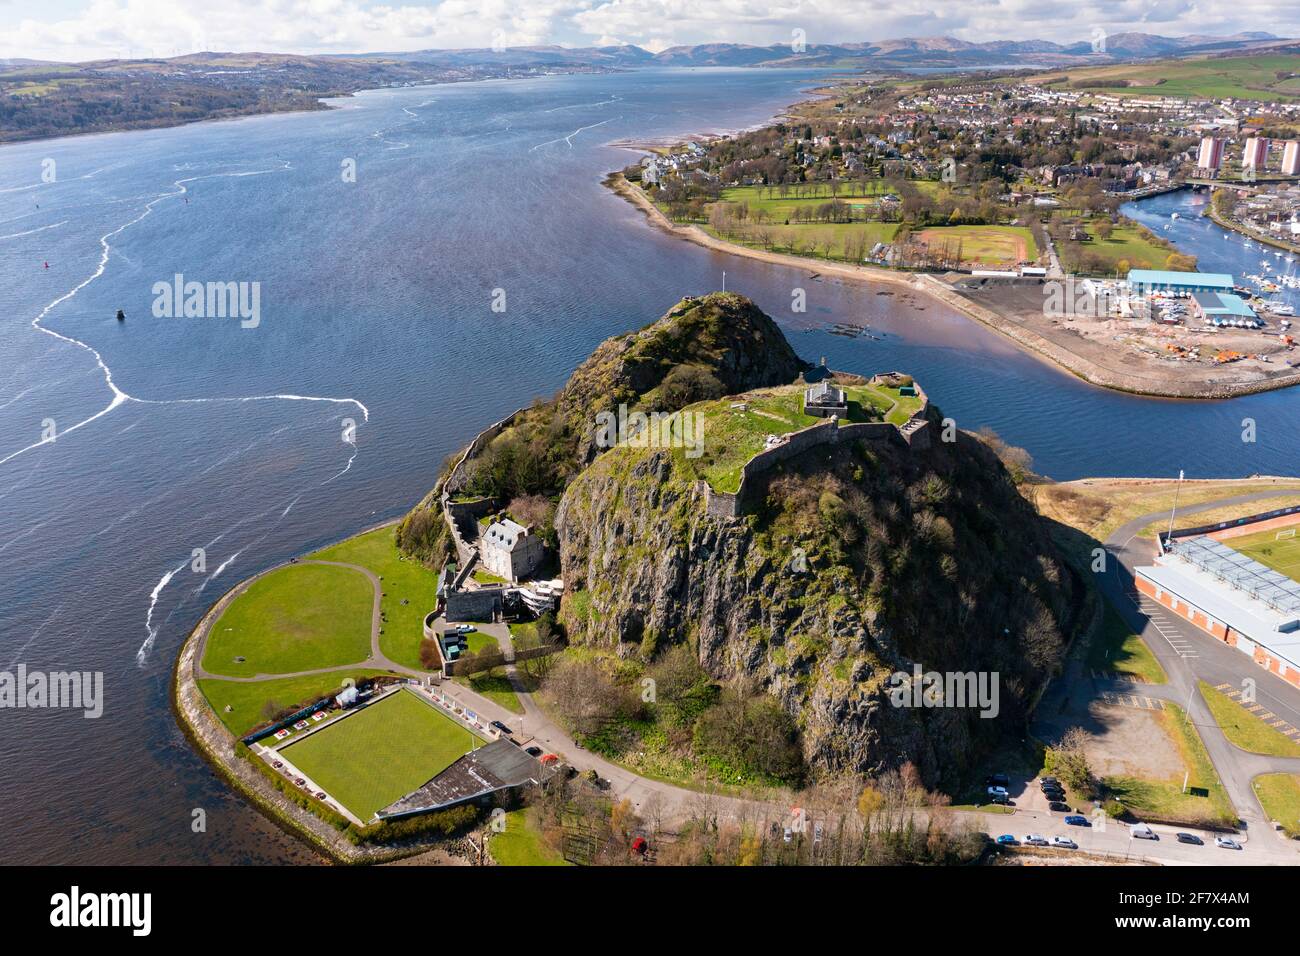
[
  {"x": 1126, "y": 741},
  {"x": 1138, "y": 354}
]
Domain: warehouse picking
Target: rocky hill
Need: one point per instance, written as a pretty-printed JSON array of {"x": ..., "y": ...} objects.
[{"x": 857, "y": 560}]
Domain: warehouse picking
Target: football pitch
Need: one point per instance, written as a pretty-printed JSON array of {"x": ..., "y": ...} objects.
[
  {"x": 369, "y": 759},
  {"x": 1266, "y": 547}
]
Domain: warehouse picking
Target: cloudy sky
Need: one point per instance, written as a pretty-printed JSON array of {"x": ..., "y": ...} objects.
[{"x": 90, "y": 29}]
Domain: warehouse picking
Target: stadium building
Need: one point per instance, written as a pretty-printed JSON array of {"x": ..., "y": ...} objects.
[{"x": 1230, "y": 595}]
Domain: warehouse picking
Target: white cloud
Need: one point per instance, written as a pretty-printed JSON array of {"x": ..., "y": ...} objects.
[{"x": 88, "y": 29}]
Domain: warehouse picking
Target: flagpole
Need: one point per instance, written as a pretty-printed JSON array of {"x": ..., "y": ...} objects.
[{"x": 1169, "y": 537}]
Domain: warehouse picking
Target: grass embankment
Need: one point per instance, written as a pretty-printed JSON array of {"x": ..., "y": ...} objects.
[
  {"x": 297, "y": 618},
  {"x": 1116, "y": 648},
  {"x": 253, "y": 702},
  {"x": 1218, "y": 515},
  {"x": 1205, "y": 800},
  {"x": 521, "y": 843},
  {"x": 732, "y": 436},
  {"x": 379, "y": 754},
  {"x": 1243, "y": 729},
  {"x": 402, "y": 580},
  {"x": 1279, "y": 795}
]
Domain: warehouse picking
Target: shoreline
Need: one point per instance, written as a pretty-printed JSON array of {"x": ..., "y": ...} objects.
[{"x": 1027, "y": 340}]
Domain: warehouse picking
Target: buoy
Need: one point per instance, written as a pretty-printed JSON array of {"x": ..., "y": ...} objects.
[
  {"x": 121, "y": 316},
  {"x": 47, "y": 264}
]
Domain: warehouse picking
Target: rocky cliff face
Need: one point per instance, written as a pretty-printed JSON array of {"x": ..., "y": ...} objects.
[{"x": 864, "y": 560}]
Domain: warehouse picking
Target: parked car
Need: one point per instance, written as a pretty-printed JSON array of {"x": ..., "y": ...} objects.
[
  {"x": 533, "y": 751},
  {"x": 1059, "y": 807},
  {"x": 1007, "y": 839},
  {"x": 1077, "y": 820},
  {"x": 787, "y": 835},
  {"x": 998, "y": 780},
  {"x": 1033, "y": 839},
  {"x": 278, "y": 764},
  {"x": 464, "y": 628},
  {"x": 1064, "y": 842},
  {"x": 998, "y": 795},
  {"x": 1140, "y": 831},
  {"x": 501, "y": 727},
  {"x": 1228, "y": 843},
  {"x": 1050, "y": 781},
  {"x": 320, "y": 794},
  {"x": 299, "y": 782},
  {"x": 1191, "y": 838}
]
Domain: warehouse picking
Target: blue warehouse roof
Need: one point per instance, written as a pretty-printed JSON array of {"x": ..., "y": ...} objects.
[
  {"x": 1161, "y": 277},
  {"x": 1223, "y": 303}
]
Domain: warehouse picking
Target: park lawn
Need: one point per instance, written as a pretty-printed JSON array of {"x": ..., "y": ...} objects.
[
  {"x": 1280, "y": 554},
  {"x": 493, "y": 684},
  {"x": 1279, "y": 794},
  {"x": 248, "y": 699},
  {"x": 1243, "y": 729},
  {"x": 770, "y": 199},
  {"x": 382, "y": 752},
  {"x": 401, "y": 579},
  {"x": 1116, "y": 648},
  {"x": 833, "y": 241},
  {"x": 992, "y": 245},
  {"x": 296, "y": 618},
  {"x": 521, "y": 843},
  {"x": 1205, "y": 800},
  {"x": 1128, "y": 243}
]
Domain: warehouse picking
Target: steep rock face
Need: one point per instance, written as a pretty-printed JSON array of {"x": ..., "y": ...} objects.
[{"x": 646, "y": 566}]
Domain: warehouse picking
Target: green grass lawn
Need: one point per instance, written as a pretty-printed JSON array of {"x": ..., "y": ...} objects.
[
  {"x": 1117, "y": 648},
  {"x": 1245, "y": 77},
  {"x": 382, "y": 752},
  {"x": 493, "y": 684},
  {"x": 521, "y": 843},
  {"x": 247, "y": 700},
  {"x": 837, "y": 241},
  {"x": 297, "y": 618},
  {"x": 1279, "y": 794},
  {"x": 992, "y": 245},
  {"x": 1205, "y": 800},
  {"x": 1280, "y": 554},
  {"x": 1128, "y": 243},
  {"x": 402, "y": 579},
  {"x": 1243, "y": 729}
]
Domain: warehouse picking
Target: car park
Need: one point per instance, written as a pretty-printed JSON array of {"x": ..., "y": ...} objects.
[
  {"x": 1077, "y": 820},
  {"x": 1191, "y": 838},
  {"x": 1033, "y": 839},
  {"x": 1227, "y": 843},
  {"x": 1064, "y": 842}
]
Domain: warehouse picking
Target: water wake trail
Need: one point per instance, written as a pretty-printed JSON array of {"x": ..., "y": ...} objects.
[{"x": 569, "y": 139}]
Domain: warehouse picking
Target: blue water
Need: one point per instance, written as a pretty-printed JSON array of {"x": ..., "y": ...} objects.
[{"x": 376, "y": 308}]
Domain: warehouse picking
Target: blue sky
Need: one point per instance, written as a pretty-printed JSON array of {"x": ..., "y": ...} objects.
[{"x": 87, "y": 29}]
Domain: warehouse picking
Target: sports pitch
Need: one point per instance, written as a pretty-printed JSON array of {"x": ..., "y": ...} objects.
[
  {"x": 371, "y": 758},
  {"x": 1279, "y": 553}
]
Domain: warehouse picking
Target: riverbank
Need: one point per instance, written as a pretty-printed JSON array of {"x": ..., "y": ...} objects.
[{"x": 1028, "y": 328}]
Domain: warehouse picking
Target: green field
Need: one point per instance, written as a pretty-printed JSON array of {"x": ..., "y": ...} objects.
[
  {"x": 1126, "y": 244},
  {"x": 403, "y": 626},
  {"x": 520, "y": 844},
  {"x": 493, "y": 684},
  {"x": 1280, "y": 554},
  {"x": 988, "y": 245},
  {"x": 782, "y": 202},
  {"x": 1246, "y": 77},
  {"x": 248, "y": 700},
  {"x": 1279, "y": 794},
  {"x": 1116, "y": 648},
  {"x": 1243, "y": 729},
  {"x": 300, "y": 617},
  {"x": 382, "y": 752}
]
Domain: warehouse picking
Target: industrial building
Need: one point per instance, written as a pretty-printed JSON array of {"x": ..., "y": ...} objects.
[
  {"x": 1233, "y": 597},
  {"x": 1224, "y": 309},
  {"x": 1146, "y": 281}
]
